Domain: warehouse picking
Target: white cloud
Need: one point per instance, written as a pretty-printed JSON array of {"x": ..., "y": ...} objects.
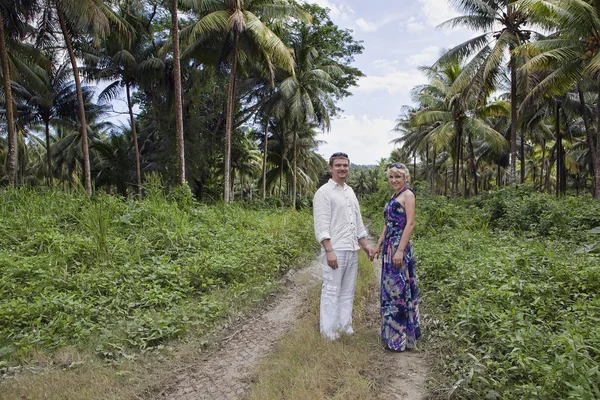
[
  {"x": 365, "y": 139},
  {"x": 414, "y": 26},
  {"x": 385, "y": 65},
  {"x": 393, "y": 82},
  {"x": 437, "y": 11},
  {"x": 427, "y": 56},
  {"x": 338, "y": 10},
  {"x": 366, "y": 26}
]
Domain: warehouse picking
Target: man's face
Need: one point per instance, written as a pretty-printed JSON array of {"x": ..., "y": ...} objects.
[{"x": 339, "y": 169}]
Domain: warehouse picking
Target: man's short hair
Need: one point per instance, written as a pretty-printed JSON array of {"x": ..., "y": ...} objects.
[{"x": 338, "y": 154}]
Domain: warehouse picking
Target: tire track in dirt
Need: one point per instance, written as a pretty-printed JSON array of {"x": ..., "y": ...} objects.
[{"x": 225, "y": 372}]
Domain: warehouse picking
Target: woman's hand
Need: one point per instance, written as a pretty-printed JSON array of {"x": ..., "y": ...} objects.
[
  {"x": 398, "y": 258},
  {"x": 378, "y": 249}
]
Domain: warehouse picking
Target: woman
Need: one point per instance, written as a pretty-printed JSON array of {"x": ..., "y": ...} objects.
[{"x": 399, "y": 296}]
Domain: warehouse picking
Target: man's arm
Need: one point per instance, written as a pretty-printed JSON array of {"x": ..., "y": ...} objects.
[
  {"x": 321, "y": 216},
  {"x": 362, "y": 234},
  {"x": 322, "y": 222}
]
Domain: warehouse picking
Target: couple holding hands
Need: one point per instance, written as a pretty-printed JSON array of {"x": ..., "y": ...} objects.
[{"x": 340, "y": 231}]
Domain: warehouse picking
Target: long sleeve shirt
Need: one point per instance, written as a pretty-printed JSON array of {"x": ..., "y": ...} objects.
[{"x": 336, "y": 214}]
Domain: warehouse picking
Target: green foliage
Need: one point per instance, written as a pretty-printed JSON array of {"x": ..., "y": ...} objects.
[
  {"x": 126, "y": 275},
  {"x": 524, "y": 210},
  {"x": 513, "y": 294}
]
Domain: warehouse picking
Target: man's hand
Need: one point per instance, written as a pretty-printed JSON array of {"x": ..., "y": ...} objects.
[
  {"x": 332, "y": 259},
  {"x": 372, "y": 253}
]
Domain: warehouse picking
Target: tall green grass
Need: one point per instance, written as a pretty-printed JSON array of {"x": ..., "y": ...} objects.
[
  {"x": 511, "y": 282},
  {"x": 123, "y": 276}
]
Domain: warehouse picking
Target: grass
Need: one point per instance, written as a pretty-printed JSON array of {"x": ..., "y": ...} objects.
[
  {"x": 74, "y": 373},
  {"x": 102, "y": 294},
  {"x": 510, "y": 279},
  {"x": 122, "y": 277},
  {"x": 306, "y": 367}
]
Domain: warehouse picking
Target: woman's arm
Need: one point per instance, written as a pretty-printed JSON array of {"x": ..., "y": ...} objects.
[
  {"x": 409, "y": 207},
  {"x": 380, "y": 242}
]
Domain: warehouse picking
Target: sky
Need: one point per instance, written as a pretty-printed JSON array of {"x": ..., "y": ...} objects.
[{"x": 398, "y": 36}]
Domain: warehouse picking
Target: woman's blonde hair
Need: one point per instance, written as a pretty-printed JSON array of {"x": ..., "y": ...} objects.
[{"x": 402, "y": 168}]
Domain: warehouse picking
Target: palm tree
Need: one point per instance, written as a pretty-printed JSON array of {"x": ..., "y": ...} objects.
[
  {"x": 78, "y": 18},
  {"x": 114, "y": 166},
  {"x": 177, "y": 89},
  {"x": 306, "y": 96},
  {"x": 246, "y": 159},
  {"x": 503, "y": 23},
  {"x": 572, "y": 56},
  {"x": 126, "y": 63},
  {"x": 448, "y": 116},
  {"x": 50, "y": 98},
  {"x": 243, "y": 27},
  {"x": 13, "y": 15}
]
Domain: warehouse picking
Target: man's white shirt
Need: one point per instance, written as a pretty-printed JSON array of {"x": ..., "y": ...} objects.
[{"x": 337, "y": 216}]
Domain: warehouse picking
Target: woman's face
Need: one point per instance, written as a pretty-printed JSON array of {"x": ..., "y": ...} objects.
[{"x": 396, "y": 179}]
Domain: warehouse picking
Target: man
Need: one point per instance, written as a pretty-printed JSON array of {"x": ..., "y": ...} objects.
[{"x": 340, "y": 230}]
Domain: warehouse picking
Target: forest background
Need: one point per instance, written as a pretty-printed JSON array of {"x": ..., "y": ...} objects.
[{"x": 104, "y": 227}]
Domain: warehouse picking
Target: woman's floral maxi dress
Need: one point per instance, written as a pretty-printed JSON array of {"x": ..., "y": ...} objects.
[{"x": 399, "y": 295}]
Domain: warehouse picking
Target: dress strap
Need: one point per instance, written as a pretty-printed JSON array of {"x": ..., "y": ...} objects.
[{"x": 399, "y": 193}]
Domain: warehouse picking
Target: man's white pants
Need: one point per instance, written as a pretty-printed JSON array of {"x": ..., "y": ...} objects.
[{"x": 337, "y": 294}]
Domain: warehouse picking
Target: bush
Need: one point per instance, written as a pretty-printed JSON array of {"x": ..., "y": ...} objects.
[
  {"x": 514, "y": 308},
  {"x": 75, "y": 270}
]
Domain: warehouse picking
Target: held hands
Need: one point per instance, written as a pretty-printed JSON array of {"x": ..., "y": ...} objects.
[
  {"x": 332, "y": 258},
  {"x": 370, "y": 252}
]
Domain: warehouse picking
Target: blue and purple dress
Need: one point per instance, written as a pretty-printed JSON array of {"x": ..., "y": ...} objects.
[{"x": 399, "y": 294}]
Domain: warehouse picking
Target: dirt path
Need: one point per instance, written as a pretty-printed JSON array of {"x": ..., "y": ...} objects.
[
  {"x": 226, "y": 371},
  {"x": 404, "y": 373}
]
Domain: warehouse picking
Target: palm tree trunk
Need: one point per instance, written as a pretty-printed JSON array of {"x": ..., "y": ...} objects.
[
  {"x": 177, "y": 89},
  {"x": 472, "y": 164},
  {"x": 281, "y": 175},
  {"x": 551, "y": 159},
  {"x": 433, "y": 173},
  {"x": 48, "y": 154},
  {"x": 427, "y": 171},
  {"x": 522, "y": 158},
  {"x": 294, "y": 172},
  {"x": 457, "y": 156},
  {"x": 87, "y": 179},
  {"x": 498, "y": 176},
  {"x": 229, "y": 116},
  {"x": 11, "y": 157},
  {"x": 461, "y": 167},
  {"x": 596, "y": 152},
  {"x": 415, "y": 164},
  {"x": 543, "y": 165},
  {"x": 560, "y": 155},
  {"x": 232, "y": 182},
  {"x": 589, "y": 135},
  {"x": 264, "y": 171},
  {"x": 138, "y": 172},
  {"x": 513, "y": 120}
]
